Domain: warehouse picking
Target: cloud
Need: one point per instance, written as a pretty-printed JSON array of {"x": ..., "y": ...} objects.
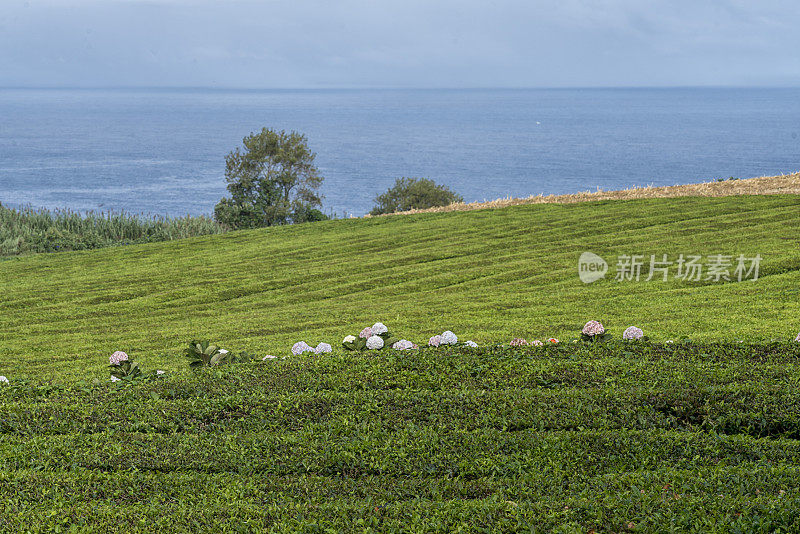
[{"x": 282, "y": 43}]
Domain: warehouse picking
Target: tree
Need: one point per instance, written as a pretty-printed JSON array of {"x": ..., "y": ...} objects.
[
  {"x": 414, "y": 193},
  {"x": 272, "y": 181}
]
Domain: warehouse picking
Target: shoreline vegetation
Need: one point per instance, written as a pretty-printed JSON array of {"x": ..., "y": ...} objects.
[
  {"x": 32, "y": 230},
  {"x": 783, "y": 184}
]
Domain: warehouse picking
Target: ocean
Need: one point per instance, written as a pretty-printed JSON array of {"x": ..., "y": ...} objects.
[{"x": 163, "y": 151}]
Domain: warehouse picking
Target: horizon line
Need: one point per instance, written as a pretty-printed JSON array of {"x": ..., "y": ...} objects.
[{"x": 380, "y": 88}]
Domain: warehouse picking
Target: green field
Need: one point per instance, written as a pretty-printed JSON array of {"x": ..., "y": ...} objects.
[
  {"x": 637, "y": 437},
  {"x": 699, "y": 435},
  {"x": 487, "y": 275}
]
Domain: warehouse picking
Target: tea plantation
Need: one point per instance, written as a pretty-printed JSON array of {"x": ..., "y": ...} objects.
[
  {"x": 570, "y": 438},
  {"x": 696, "y": 430}
]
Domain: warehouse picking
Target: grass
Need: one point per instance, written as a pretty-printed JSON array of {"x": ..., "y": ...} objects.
[
  {"x": 488, "y": 275},
  {"x": 29, "y": 230},
  {"x": 721, "y": 187},
  {"x": 618, "y": 438},
  {"x": 698, "y": 436}
]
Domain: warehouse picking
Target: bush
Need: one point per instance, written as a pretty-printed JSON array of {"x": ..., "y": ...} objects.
[{"x": 414, "y": 193}]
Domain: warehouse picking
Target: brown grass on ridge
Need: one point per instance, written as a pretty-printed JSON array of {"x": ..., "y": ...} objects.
[{"x": 763, "y": 185}]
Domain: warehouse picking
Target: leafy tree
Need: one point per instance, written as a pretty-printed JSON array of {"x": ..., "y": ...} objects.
[
  {"x": 272, "y": 181},
  {"x": 414, "y": 193}
]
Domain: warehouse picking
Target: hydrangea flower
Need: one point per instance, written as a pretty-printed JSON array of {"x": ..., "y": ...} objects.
[
  {"x": 449, "y": 338},
  {"x": 403, "y": 344},
  {"x": 322, "y": 347},
  {"x": 470, "y": 343},
  {"x": 797, "y": 338},
  {"x": 374, "y": 342},
  {"x": 366, "y": 333},
  {"x": 114, "y": 378},
  {"x": 537, "y": 343},
  {"x": 268, "y": 357},
  {"x": 593, "y": 328},
  {"x": 300, "y": 347},
  {"x": 3, "y": 380},
  {"x": 632, "y": 333},
  {"x": 349, "y": 339},
  {"x": 159, "y": 372},
  {"x": 552, "y": 340},
  {"x": 435, "y": 341},
  {"x": 518, "y": 342},
  {"x": 223, "y": 351},
  {"x": 379, "y": 328},
  {"x": 118, "y": 357}
]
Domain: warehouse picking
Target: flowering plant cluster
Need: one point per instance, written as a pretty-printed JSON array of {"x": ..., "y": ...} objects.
[
  {"x": 797, "y": 338},
  {"x": 123, "y": 366},
  {"x": 520, "y": 342},
  {"x": 446, "y": 338},
  {"x": 373, "y": 337},
  {"x": 3, "y": 380},
  {"x": 301, "y": 346},
  {"x": 633, "y": 333},
  {"x": 594, "y": 331}
]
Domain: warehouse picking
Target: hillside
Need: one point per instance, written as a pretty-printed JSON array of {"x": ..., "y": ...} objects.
[
  {"x": 697, "y": 436},
  {"x": 488, "y": 275}
]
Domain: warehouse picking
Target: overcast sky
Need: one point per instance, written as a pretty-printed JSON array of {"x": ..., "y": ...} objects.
[{"x": 398, "y": 43}]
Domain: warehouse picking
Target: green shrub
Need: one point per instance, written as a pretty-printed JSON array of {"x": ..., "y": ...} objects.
[{"x": 414, "y": 193}]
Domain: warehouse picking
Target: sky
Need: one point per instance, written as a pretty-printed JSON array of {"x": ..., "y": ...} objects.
[{"x": 398, "y": 43}]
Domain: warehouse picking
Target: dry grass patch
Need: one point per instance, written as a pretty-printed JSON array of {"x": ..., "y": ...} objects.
[{"x": 764, "y": 185}]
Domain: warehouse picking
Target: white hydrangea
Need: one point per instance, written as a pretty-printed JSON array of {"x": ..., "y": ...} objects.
[
  {"x": 349, "y": 339},
  {"x": 632, "y": 332},
  {"x": 300, "y": 347},
  {"x": 403, "y": 344},
  {"x": 268, "y": 357},
  {"x": 323, "y": 347},
  {"x": 114, "y": 379},
  {"x": 374, "y": 342},
  {"x": 449, "y": 338},
  {"x": 223, "y": 351},
  {"x": 159, "y": 372},
  {"x": 3, "y": 380},
  {"x": 470, "y": 343},
  {"x": 379, "y": 328}
]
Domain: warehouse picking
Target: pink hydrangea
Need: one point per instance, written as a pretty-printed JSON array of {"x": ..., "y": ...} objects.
[
  {"x": 366, "y": 333},
  {"x": 593, "y": 328},
  {"x": 117, "y": 358},
  {"x": 518, "y": 342},
  {"x": 537, "y": 343},
  {"x": 404, "y": 344},
  {"x": 632, "y": 332},
  {"x": 435, "y": 341}
]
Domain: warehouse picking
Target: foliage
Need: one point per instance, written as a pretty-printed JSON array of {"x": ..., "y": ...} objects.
[
  {"x": 414, "y": 193},
  {"x": 272, "y": 181},
  {"x": 128, "y": 369},
  {"x": 204, "y": 354},
  {"x": 610, "y": 437},
  {"x": 489, "y": 275},
  {"x": 28, "y": 230}
]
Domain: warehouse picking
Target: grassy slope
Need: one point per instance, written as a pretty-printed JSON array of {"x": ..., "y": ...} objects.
[{"x": 487, "y": 275}]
